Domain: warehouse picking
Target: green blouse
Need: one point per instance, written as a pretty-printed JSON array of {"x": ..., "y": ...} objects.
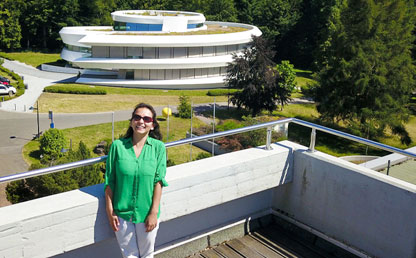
[{"x": 132, "y": 179}]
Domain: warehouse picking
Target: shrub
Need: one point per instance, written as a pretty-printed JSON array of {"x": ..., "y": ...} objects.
[
  {"x": 51, "y": 144},
  {"x": 20, "y": 86},
  {"x": 74, "y": 90},
  {"x": 170, "y": 163},
  {"x": 221, "y": 92},
  {"x": 40, "y": 186},
  {"x": 203, "y": 155},
  {"x": 184, "y": 108},
  {"x": 228, "y": 125}
]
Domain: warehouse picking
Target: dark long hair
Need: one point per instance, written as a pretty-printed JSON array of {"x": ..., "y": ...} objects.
[{"x": 155, "y": 133}]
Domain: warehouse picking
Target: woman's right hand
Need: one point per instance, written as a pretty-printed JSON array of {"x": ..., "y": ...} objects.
[
  {"x": 113, "y": 220},
  {"x": 112, "y": 217}
]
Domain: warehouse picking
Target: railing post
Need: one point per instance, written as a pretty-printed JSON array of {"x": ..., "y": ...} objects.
[
  {"x": 268, "y": 138},
  {"x": 313, "y": 138}
]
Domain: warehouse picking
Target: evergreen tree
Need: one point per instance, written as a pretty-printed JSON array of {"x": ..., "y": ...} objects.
[
  {"x": 254, "y": 73},
  {"x": 369, "y": 73}
]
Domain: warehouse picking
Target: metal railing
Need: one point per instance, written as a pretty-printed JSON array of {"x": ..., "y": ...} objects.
[{"x": 268, "y": 125}]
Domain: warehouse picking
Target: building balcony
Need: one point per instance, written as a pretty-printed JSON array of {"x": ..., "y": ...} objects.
[{"x": 364, "y": 212}]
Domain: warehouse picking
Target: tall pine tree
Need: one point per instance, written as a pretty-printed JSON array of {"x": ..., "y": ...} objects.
[{"x": 368, "y": 74}]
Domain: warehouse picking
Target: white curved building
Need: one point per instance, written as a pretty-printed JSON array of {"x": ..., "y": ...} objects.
[{"x": 156, "y": 49}]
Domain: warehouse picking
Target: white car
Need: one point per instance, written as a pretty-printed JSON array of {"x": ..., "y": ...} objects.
[{"x": 5, "y": 90}]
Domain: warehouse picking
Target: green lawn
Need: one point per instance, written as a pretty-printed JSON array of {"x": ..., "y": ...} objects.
[
  {"x": 32, "y": 58},
  {"x": 91, "y": 135}
]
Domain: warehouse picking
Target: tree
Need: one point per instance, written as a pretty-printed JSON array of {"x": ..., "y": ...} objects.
[
  {"x": 51, "y": 144},
  {"x": 10, "y": 31},
  {"x": 286, "y": 83},
  {"x": 253, "y": 72},
  {"x": 184, "y": 108},
  {"x": 368, "y": 72},
  {"x": 40, "y": 186}
]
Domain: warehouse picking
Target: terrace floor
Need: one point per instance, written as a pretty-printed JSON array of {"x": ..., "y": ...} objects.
[{"x": 279, "y": 239}]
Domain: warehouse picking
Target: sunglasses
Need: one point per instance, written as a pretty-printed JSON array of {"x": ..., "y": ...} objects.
[{"x": 146, "y": 119}]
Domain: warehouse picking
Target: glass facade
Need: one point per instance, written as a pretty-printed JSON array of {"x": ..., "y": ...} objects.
[
  {"x": 78, "y": 49},
  {"x": 129, "y": 26},
  {"x": 177, "y": 74},
  {"x": 164, "y": 52}
]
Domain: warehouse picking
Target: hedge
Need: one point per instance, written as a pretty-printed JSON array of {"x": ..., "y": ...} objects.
[
  {"x": 221, "y": 92},
  {"x": 20, "y": 87},
  {"x": 74, "y": 90}
]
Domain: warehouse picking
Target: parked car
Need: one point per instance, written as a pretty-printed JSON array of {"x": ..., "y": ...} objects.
[
  {"x": 4, "y": 80},
  {"x": 7, "y": 90}
]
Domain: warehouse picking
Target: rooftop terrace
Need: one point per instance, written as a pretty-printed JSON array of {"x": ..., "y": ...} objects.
[{"x": 259, "y": 190}]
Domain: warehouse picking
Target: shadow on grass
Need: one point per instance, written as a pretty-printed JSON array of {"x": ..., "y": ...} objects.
[
  {"x": 35, "y": 154},
  {"x": 224, "y": 113}
]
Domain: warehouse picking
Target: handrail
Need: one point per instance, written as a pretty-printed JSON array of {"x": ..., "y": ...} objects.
[{"x": 268, "y": 125}]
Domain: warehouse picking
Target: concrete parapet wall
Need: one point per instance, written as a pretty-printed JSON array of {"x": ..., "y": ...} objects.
[
  {"x": 357, "y": 206},
  {"x": 202, "y": 196}
]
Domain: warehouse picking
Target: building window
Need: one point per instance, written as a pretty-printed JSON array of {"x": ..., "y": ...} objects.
[
  {"x": 129, "y": 74},
  {"x": 134, "y": 52},
  {"x": 100, "y": 52},
  {"x": 119, "y": 26},
  {"x": 180, "y": 52},
  {"x": 165, "y": 52},
  {"x": 232, "y": 49},
  {"x": 194, "y": 51},
  {"x": 149, "y": 53},
  {"x": 116, "y": 52},
  {"x": 208, "y": 51}
]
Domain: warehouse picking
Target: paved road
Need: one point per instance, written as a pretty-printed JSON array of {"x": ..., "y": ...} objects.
[{"x": 19, "y": 125}]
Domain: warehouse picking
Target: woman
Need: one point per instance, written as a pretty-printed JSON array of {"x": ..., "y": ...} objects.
[{"x": 135, "y": 174}]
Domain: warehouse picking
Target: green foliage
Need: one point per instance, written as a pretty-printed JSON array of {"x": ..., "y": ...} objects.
[
  {"x": 70, "y": 89},
  {"x": 285, "y": 81},
  {"x": 203, "y": 155},
  {"x": 221, "y": 92},
  {"x": 36, "y": 187},
  {"x": 170, "y": 163},
  {"x": 20, "y": 86},
  {"x": 51, "y": 144},
  {"x": 184, "y": 108},
  {"x": 261, "y": 85},
  {"x": 227, "y": 125},
  {"x": 368, "y": 73},
  {"x": 10, "y": 31}
]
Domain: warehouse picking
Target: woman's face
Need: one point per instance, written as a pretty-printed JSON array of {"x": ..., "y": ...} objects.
[{"x": 142, "y": 121}]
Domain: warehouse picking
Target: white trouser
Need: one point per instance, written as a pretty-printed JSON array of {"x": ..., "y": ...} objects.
[{"x": 134, "y": 240}]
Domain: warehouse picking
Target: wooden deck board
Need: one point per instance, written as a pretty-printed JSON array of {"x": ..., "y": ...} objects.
[
  {"x": 211, "y": 254},
  {"x": 272, "y": 241},
  {"x": 263, "y": 248},
  {"x": 243, "y": 249},
  {"x": 226, "y": 251}
]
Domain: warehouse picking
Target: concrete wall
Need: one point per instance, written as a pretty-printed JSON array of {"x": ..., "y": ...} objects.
[
  {"x": 202, "y": 196},
  {"x": 355, "y": 205}
]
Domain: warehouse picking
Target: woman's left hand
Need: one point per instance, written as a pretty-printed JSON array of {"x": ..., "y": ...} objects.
[{"x": 151, "y": 222}]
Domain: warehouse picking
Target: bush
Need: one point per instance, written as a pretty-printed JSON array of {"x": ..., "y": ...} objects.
[
  {"x": 20, "y": 86},
  {"x": 203, "y": 155},
  {"x": 51, "y": 144},
  {"x": 74, "y": 90},
  {"x": 221, "y": 92},
  {"x": 170, "y": 163},
  {"x": 228, "y": 125},
  {"x": 184, "y": 108},
  {"x": 40, "y": 186}
]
